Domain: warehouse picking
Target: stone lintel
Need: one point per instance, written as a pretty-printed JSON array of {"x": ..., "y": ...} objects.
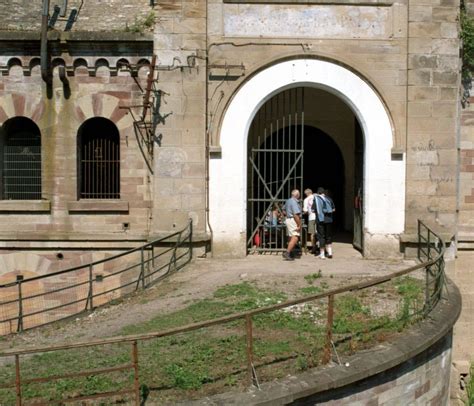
[
  {"x": 25, "y": 206},
  {"x": 91, "y": 206}
]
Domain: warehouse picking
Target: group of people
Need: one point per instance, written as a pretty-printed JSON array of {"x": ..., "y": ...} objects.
[{"x": 319, "y": 209}]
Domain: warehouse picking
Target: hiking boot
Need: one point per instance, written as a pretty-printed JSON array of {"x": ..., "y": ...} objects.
[{"x": 287, "y": 256}]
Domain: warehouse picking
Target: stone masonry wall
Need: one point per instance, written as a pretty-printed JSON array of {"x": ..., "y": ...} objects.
[
  {"x": 422, "y": 381},
  {"x": 466, "y": 172},
  {"x": 412, "y": 60},
  {"x": 60, "y": 216},
  {"x": 180, "y": 43},
  {"x": 433, "y": 89},
  {"x": 463, "y": 272},
  {"x": 94, "y": 15}
]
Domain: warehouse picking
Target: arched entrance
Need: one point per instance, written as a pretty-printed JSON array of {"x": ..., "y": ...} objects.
[
  {"x": 302, "y": 138},
  {"x": 383, "y": 178}
]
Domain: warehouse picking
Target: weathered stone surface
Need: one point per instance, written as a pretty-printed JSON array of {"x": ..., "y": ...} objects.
[
  {"x": 310, "y": 22},
  {"x": 96, "y": 15}
]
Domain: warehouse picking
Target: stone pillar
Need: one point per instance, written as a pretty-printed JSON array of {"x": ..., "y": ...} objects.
[
  {"x": 179, "y": 165},
  {"x": 433, "y": 88}
]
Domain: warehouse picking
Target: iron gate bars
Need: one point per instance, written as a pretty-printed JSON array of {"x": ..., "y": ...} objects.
[{"x": 276, "y": 151}]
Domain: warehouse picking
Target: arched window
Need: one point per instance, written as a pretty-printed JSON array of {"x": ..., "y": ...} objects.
[
  {"x": 20, "y": 151},
  {"x": 98, "y": 159}
]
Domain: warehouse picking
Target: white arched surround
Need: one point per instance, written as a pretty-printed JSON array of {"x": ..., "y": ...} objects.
[{"x": 384, "y": 178}]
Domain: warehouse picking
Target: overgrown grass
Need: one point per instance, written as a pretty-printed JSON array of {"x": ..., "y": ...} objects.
[
  {"x": 210, "y": 360},
  {"x": 140, "y": 25}
]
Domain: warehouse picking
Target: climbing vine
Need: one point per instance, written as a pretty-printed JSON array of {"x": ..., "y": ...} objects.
[{"x": 467, "y": 37}]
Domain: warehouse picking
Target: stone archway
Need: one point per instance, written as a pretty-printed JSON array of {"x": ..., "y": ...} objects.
[{"x": 384, "y": 178}]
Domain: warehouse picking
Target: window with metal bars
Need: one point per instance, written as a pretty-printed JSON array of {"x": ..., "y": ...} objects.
[
  {"x": 98, "y": 159},
  {"x": 20, "y": 151}
]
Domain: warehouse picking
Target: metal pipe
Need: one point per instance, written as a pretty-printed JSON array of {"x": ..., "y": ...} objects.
[
  {"x": 62, "y": 75},
  {"x": 45, "y": 73}
]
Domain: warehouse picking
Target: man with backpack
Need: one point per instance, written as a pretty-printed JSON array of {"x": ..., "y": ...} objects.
[{"x": 324, "y": 208}]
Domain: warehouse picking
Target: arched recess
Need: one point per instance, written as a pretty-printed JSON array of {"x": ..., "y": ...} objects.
[
  {"x": 20, "y": 155},
  {"x": 384, "y": 178},
  {"x": 98, "y": 159}
]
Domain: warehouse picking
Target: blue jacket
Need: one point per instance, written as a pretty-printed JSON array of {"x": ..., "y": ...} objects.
[{"x": 324, "y": 207}]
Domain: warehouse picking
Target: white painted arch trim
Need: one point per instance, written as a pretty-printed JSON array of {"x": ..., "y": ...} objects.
[{"x": 384, "y": 179}]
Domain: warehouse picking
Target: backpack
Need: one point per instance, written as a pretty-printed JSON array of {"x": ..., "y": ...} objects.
[{"x": 327, "y": 204}]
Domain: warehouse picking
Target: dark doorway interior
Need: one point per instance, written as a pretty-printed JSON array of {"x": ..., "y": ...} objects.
[
  {"x": 324, "y": 167},
  {"x": 303, "y": 138}
]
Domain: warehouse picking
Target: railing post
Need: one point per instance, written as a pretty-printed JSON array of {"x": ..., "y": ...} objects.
[
  {"x": 17, "y": 380},
  {"x": 427, "y": 289},
  {"x": 136, "y": 382},
  {"x": 429, "y": 244},
  {"x": 90, "y": 299},
  {"x": 419, "y": 240},
  {"x": 153, "y": 257},
  {"x": 249, "y": 347},
  {"x": 190, "y": 239},
  {"x": 19, "y": 279},
  {"x": 330, "y": 320},
  {"x": 142, "y": 268}
]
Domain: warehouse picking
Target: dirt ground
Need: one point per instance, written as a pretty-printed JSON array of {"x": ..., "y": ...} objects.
[{"x": 199, "y": 280}]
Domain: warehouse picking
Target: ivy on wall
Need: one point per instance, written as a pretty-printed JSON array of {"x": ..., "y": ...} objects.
[{"x": 467, "y": 37}]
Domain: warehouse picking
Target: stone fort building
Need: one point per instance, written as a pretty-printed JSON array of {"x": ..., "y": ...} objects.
[{"x": 104, "y": 146}]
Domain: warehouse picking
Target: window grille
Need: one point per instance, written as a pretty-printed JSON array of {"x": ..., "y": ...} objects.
[
  {"x": 99, "y": 154},
  {"x": 21, "y": 166}
]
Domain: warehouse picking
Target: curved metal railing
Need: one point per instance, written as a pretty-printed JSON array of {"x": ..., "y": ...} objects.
[
  {"x": 39, "y": 300},
  {"x": 431, "y": 250}
]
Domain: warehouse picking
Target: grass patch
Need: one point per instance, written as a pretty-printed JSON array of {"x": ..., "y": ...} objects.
[
  {"x": 312, "y": 277},
  {"x": 140, "y": 25},
  {"x": 201, "y": 363},
  {"x": 311, "y": 290}
]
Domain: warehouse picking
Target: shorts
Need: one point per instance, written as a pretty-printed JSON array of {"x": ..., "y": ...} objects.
[
  {"x": 312, "y": 227},
  {"x": 291, "y": 228}
]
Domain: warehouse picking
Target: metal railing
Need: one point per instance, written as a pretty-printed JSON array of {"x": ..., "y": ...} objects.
[
  {"x": 432, "y": 249},
  {"x": 32, "y": 302}
]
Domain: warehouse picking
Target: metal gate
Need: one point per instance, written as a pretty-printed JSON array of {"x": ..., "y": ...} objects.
[
  {"x": 358, "y": 237},
  {"x": 275, "y": 150}
]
